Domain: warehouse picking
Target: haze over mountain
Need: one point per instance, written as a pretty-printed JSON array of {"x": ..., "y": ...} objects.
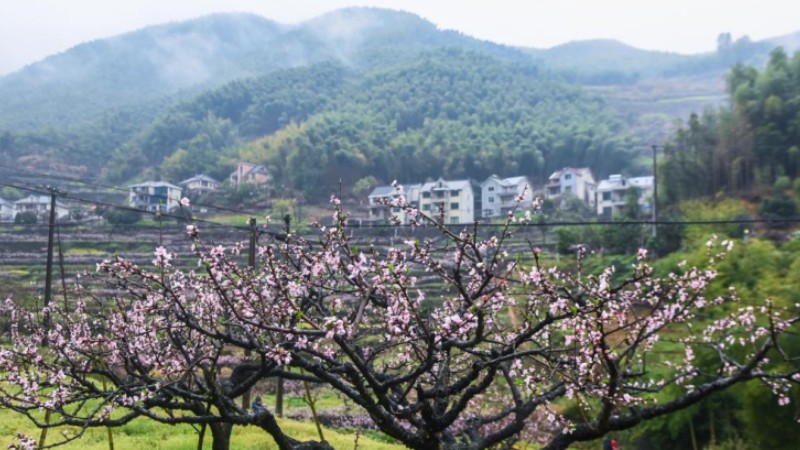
[
  {"x": 142, "y": 67},
  {"x": 353, "y": 89}
]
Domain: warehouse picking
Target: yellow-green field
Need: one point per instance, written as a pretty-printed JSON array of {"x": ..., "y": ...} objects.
[{"x": 147, "y": 434}]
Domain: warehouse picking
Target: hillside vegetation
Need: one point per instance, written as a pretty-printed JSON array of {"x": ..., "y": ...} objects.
[
  {"x": 449, "y": 113},
  {"x": 746, "y": 147}
]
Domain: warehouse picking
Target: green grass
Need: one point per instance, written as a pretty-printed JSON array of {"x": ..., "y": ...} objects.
[
  {"x": 86, "y": 251},
  {"x": 232, "y": 219},
  {"x": 147, "y": 434}
]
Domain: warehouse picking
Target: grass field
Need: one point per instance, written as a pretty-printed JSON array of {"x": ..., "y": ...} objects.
[{"x": 147, "y": 434}]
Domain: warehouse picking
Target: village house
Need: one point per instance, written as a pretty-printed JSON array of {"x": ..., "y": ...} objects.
[
  {"x": 576, "y": 182},
  {"x": 379, "y": 211},
  {"x": 499, "y": 195},
  {"x": 455, "y": 200},
  {"x": 7, "y": 211},
  {"x": 611, "y": 194},
  {"x": 249, "y": 173},
  {"x": 39, "y": 205},
  {"x": 199, "y": 184},
  {"x": 154, "y": 196}
]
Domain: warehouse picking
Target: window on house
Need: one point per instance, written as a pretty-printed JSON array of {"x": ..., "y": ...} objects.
[
  {"x": 455, "y": 220},
  {"x": 426, "y": 195},
  {"x": 454, "y": 206},
  {"x": 491, "y": 199},
  {"x": 455, "y": 193},
  {"x": 568, "y": 176},
  {"x": 491, "y": 188},
  {"x": 426, "y": 207},
  {"x": 567, "y": 188},
  {"x": 606, "y": 196}
]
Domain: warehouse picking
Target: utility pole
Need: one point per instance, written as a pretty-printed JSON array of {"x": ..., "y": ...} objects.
[
  {"x": 48, "y": 280},
  {"x": 251, "y": 262},
  {"x": 48, "y": 285},
  {"x": 655, "y": 194},
  {"x": 287, "y": 221}
]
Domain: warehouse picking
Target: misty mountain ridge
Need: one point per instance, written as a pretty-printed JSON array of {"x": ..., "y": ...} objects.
[
  {"x": 181, "y": 59},
  {"x": 144, "y": 65}
]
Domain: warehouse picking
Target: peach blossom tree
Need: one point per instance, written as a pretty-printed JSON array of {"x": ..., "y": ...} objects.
[{"x": 449, "y": 342}]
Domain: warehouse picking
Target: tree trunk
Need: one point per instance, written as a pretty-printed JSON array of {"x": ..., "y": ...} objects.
[
  {"x": 221, "y": 436},
  {"x": 266, "y": 421}
]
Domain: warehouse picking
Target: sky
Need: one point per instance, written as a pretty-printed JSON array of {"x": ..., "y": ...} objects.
[{"x": 30, "y": 30}]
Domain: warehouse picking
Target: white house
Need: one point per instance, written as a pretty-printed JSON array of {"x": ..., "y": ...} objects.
[
  {"x": 154, "y": 196},
  {"x": 578, "y": 182},
  {"x": 611, "y": 194},
  {"x": 499, "y": 195},
  {"x": 39, "y": 205},
  {"x": 7, "y": 211},
  {"x": 455, "y": 200},
  {"x": 200, "y": 184},
  {"x": 380, "y": 211}
]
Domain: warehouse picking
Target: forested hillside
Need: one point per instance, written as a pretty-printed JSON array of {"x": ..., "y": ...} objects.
[
  {"x": 449, "y": 113},
  {"x": 136, "y": 69},
  {"x": 361, "y": 92},
  {"x": 747, "y": 146}
]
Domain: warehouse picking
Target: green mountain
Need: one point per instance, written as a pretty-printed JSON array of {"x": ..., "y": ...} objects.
[
  {"x": 445, "y": 113},
  {"x": 366, "y": 91},
  {"x": 604, "y": 56},
  {"x": 140, "y": 73},
  {"x": 610, "y": 62},
  {"x": 789, "y": 42},
  {"x": 134, "y": 70}
]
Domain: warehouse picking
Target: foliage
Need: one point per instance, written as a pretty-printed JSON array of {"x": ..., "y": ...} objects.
[
  {"x": 490, "y": 351},
  {"x": 446, "y": 113},
  {"x": 117, "y": 216},
  {"x": 26, "y": 217},
  {"x": 720, "y": 210},
  {"x": 778, "y": 206},
  {"x": 442, "y": 113},
  {"x": 364, "y": 186},
  {"x": 752, "y": 144}
]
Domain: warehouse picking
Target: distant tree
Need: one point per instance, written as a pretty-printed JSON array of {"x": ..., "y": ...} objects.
[
  {"x": 724, "y": 43},
  {"x": 782, "y": 184},
  {"x": 633, "y": 209},
  {"x": 776, "y": 207},
  {"x": 26, "y": 217},
  {"x": 364, "y": 186},
  {"x": 122, "y": 216}
]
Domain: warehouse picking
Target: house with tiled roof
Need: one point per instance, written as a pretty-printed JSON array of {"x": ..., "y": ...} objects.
[
  {"x": 499, "y": 195},
  {"x": 249, "y": 173}
]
